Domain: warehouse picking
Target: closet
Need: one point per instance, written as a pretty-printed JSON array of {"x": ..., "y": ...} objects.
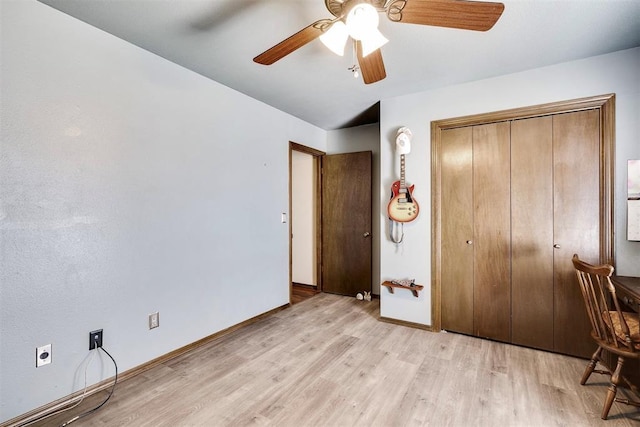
[{"x": 516, "y": 195}]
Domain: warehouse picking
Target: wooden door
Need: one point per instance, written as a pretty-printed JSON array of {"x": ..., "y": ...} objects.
[
  {"x": 532, "y": 232},
  {"x": 457, "y": 230},
  {"x": 492, "y": 233},
  {"x": 346, "y": 223},
  {"x": 576, "y": 152}
]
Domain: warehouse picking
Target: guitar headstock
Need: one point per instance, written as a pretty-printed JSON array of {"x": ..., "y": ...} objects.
[{"x": 403, "y": 140}]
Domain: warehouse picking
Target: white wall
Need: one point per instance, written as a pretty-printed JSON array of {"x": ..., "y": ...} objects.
[
  {"x": 617, "y": 73},
  {"x": 364, "y": 138},
  {"x": 128, "y": 185}
]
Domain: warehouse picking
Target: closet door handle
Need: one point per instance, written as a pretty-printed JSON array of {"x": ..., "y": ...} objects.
[
  {"x": 366, "y": 234},
  {"x": 469, "y": 242},
  {"x": 557, "y": 246}
]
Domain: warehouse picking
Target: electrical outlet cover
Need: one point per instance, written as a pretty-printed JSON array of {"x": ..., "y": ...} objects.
[
  {"x": 43, "y": 355},
  {"x": 95, "y": 339}
]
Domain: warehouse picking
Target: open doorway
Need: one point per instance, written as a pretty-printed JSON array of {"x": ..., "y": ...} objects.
[{"x": 305, "y": 223}]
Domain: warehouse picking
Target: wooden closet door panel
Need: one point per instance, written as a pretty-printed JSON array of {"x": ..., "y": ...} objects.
[
  {"x": 532, "y": 232},
  {"x": 576, "y": 151},
  {"x": 457, "y": 230},
  {"x": 492, "y": 234}
]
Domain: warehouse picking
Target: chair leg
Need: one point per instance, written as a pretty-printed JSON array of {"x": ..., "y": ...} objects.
[
  {"x": 591, "y": 366},
  {"x": 613, "y": 389}
]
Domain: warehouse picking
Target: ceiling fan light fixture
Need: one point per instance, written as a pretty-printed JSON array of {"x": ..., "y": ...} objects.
[
  {"x": 362, "y": 20},
  {"x": 375, "y": 40},
  {"x": 335, "y": 38}
]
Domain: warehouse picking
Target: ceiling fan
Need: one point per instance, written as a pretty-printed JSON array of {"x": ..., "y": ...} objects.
[{"x": 358, "y": 19}]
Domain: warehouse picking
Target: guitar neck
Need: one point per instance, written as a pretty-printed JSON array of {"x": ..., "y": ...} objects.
[{"x": 402, "y": 183}]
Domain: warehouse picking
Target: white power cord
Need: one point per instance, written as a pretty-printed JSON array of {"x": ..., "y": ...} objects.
[{"x": 60, "y": 411}]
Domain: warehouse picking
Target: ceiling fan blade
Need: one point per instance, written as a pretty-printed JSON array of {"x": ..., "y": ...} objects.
[
  {"x": 462, "y": 14},
  {"x": 371, "y": 66},
  {"x": 292, "y": 43}
]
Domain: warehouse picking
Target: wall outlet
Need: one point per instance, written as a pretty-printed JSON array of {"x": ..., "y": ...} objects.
[
  {"x": 95, "y": 339},
  {"x": 154, "y": 320},
  {"x": 43, "y": 355}
]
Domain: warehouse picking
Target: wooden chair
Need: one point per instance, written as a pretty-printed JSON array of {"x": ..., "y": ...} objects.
[{"x": 616, "y": 331}]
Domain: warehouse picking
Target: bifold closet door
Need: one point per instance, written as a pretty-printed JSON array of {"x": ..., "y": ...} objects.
[
  {"x": 532, "y": 232},
  {"x": 576, "y": 152},
  {"x": 518, "y": 199},
  {"x": 492, "y": 231},
  {"x": 457, "y": 230}
]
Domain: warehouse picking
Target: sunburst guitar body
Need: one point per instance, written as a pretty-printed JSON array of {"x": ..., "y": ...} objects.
[{"x": 402, "y": 207}]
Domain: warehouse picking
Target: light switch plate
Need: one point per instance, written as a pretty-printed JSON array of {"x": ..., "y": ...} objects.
[{"x": 154, "y": 320}]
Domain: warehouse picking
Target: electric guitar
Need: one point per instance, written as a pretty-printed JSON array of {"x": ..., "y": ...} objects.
[{"x": 402, "y": 206}]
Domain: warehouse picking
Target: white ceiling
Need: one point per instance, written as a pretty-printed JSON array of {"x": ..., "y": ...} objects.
[{"x": 219, "y": 38}]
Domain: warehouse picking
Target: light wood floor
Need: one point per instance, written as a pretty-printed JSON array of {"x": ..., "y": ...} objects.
[{"x": 329, "y": 361}]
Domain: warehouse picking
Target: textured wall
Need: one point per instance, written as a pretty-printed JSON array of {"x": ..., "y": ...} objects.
[{"x": 128, "y": 185}]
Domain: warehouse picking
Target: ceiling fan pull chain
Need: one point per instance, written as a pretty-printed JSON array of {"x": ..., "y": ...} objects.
[{"x": 355, "y": 69}]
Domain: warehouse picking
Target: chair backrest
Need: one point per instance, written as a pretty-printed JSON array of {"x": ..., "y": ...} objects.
[{"x": 602, "y": 305}]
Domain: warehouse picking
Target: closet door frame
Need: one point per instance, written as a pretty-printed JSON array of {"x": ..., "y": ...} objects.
[{"x": 605, "y": 104}]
